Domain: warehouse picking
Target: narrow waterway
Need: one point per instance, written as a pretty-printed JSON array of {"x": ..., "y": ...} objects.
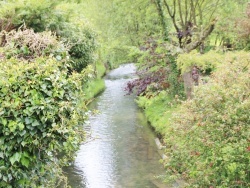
[{"x": 120, "y": 151}]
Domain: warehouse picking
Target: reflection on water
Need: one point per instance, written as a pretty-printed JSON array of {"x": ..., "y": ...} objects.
[{"x": 120, "y": 152}]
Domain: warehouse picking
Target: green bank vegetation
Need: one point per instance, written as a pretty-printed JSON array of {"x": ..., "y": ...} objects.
[
  {"x": 49, "y": 66},
  {"x": 193, "y": 68}
]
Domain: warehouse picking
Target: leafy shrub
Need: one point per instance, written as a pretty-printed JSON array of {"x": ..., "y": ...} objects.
[
  {"x": 41, "y": 121},
  {"x": 62, "y": 18},
  {"x": 209, "y": 135},
  {"x": 76, "y": 31},
  {"x": 39, "y": 15},
  {"x": 26, "y": 44},
  {"x": 243, "y": 30},
  {"x": 82, "y": 49},
  {"x": 209, "y": 60},
  {"x": 157, "y": 69}
]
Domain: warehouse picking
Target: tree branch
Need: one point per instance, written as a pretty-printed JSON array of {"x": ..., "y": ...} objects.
[
  {"x": 186, "y": 12},
  {"x": 172, "y": 15},
  {"x": 181, "y": 16},
  {"x": 198, "y": 42}
]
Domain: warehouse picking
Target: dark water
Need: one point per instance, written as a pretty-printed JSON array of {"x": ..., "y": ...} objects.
[{"x": 120, "y": 151}]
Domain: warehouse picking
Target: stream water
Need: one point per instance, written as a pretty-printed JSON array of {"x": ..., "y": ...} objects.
[{"x": 120, "y": 151}]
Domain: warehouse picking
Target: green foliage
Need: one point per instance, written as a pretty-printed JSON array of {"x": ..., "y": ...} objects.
[
  {"x": 157, "y": 69},
  {"x": 158, "y": 108},
  {"x": 100, "y": 69},
  {"x": 41, "y": 121},
  {"x": 78, "y": 33},
  {"x": 233, "y": 33},
  {"x": 120, "y": 25},
  {"x": 208, "y": 61},
  {"x": 83, "y": 47},
  {"x": 95, "y": 85},
  {"x": 26, "y": 44},
  {"x": 65, "y": 19},
  {"x": 209, "y": 135},
  {"x": 176, "y": 87},
  {"x": 42, "y": 106},
  {"x": 35, "y": 14},
  {"x": 93, "y": 88}
]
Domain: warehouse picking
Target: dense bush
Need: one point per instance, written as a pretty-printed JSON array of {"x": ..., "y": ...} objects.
[
  {"x": 39, "y": 15},
  {"x": 26, "y": 44},
  {"x": 207, "y": 61},
  {"x": 42, "y": 105},
  {"x": 208, "y": 137},
  {"x": 63, "y": 19},
  {"x": 41, "y": 121},
  {"x": 157, "y": 69},
  {"x": 83, "y": 45}
]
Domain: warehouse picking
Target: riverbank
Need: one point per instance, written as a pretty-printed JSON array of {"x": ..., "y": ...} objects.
[
  {"x": 207, "y": 137},
  {"x": 158, "y": 110},
  {"x": 96, "y": 85}
]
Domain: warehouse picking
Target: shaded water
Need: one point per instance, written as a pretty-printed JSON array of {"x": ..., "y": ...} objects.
[{"x": 120, "y": 151}]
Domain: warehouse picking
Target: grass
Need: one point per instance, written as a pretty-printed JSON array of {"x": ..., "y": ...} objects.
[
  {"x": 93, "y": 88},
  {"x": 97, "y": 85},
  {"x": 158, "y": 111}
]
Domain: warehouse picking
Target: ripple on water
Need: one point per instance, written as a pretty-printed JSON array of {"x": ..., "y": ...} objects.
[{"x": 121, "y": 152}]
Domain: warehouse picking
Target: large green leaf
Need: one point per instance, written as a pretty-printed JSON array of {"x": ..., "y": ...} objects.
[{"x": 15, "y": 158}]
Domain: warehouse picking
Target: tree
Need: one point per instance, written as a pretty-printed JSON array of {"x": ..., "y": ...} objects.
[{"x": 193, "y": 22}]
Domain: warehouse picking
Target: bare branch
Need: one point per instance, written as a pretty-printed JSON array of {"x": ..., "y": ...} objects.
[
  {"x": 192, "y": 14},
  {"x": 186, "y": 12},
  {"x": 180, "y": 13},
  {"x": 198, "y": 42},
  {"x": 215, "y": 7},
  {"x": 172, "y": 15}
]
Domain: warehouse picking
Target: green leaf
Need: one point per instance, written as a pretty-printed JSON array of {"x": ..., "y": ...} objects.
[
  {"x": 21, "y": 126},
  {"x": 22, "y": 133},
  {"x": 1, "y": 155},
  {"x": 23, "y": 143},
  {"x": 4, "y": 121},
  {"x": 12, "y": 126},
  {"x": 21, "y": 181},
  {"x": 35, "y": 123},
  {"x": 28, "y": 120},
  {"x": 1, "y": 141},
  {"x": 5, "y": 178},
  {"x": 44, "y": 86},
  {"x": 25, "y": 161},
  {"x": 15, "y": 158},
  {"x": 33, "y": 132},
  {"x": 2, "y": 111},
  {"x": 3, "y": 168}
]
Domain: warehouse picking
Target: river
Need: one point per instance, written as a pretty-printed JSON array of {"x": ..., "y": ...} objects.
[{"x": 120, "y": 151}]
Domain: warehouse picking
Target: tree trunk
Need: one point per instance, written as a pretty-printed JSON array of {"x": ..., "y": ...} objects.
[
  {"x": 188, "y": 84},
  {"x": 187, "y": 76}
]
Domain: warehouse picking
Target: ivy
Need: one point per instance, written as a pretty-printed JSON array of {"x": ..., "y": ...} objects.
[{"x": 41, "y": 121}]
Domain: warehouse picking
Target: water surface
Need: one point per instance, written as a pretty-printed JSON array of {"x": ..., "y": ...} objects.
[{"x": 120, "y": 151}]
